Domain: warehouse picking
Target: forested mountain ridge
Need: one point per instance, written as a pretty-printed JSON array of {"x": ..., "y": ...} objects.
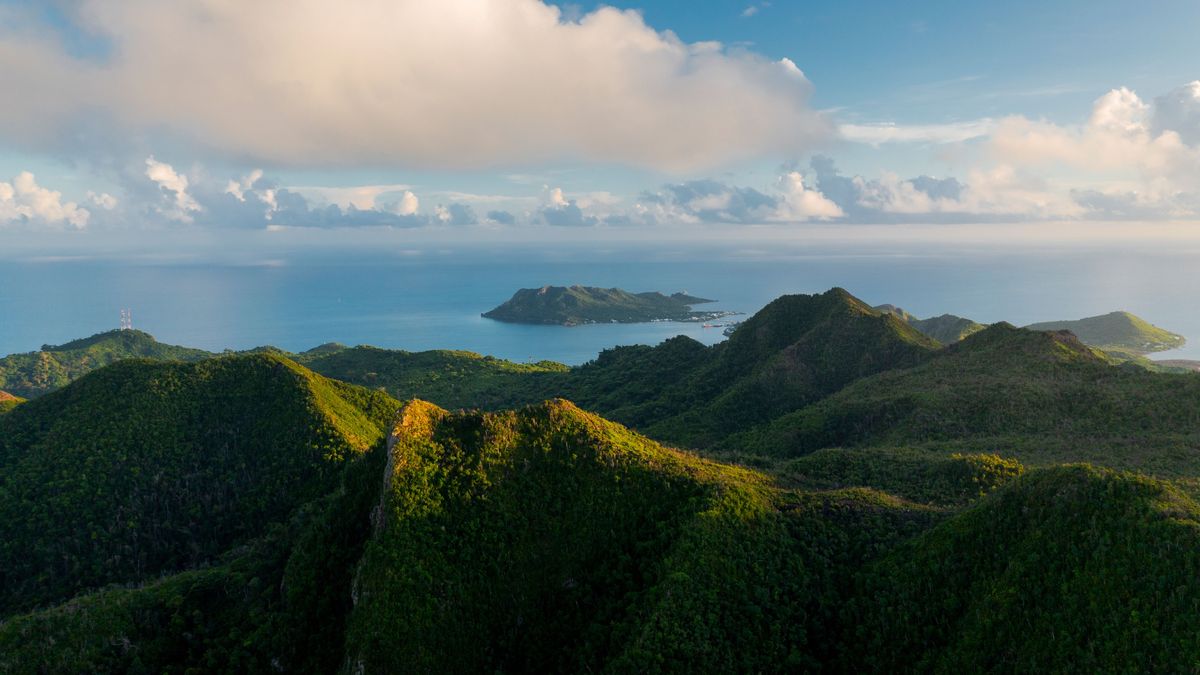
[
  {"x": 142, "y": 468},
  {"x": 35, "y": 373},
  {"x": 1043, "y": 397},
  {"x": 946, "y": 328},
  {"x": 860, "y": 499}
]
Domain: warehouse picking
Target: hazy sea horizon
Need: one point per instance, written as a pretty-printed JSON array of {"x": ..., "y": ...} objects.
[{"x": 434, "y": 300}]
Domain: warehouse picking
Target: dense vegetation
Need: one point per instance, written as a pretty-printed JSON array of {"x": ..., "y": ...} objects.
[
  {"x": 1070, "y": 569},
  {"x": 793, "y": 352},
  {"x": 549, "y": 540},
  {"x": 867, "y": 501},
  {"x": 36, "y": 373},
  {"x": 1117, "y": 332},
  {"x": 453, "y": 379},
  {"x": 574, "y": 305},
  {"x": 946, "y": 329},
  {"x": 278, "y": 604},
  {"x": 144, "y": 468},
  {"x": 1042, "y": 397},
  {"x": 8, "y": 401}
]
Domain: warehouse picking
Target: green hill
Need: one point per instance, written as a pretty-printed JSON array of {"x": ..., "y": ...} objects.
[
  {"x": 547, "y": 539},
  {"x": 35, "y": 373},
  {"x": 453, "y": 379},
  {"x": 144, "y": 468},
  {"x": 278, "y": 603},
  {"x": 550, "y": 540},
  {"x": 1071, "y": 569},
  {"x": 946, "y": 329},
  {"x": 574, "y": 305},
  {"x": 1042, "y": 397},
  {"x": 1117, "y": 332},
  {"x": 794, "y": 351}
]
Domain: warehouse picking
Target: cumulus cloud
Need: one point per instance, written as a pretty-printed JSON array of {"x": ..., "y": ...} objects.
[
  {"x": 799, "y": 202},
  {"x": 161, "y": 196},
  {"x": 406, "y": 205},
  {"x": 1128, "y": 159},
  {"x": 102, "y": 200},
  {"x": 405, "y": 82},
  {"x": 175, "y": 185},
  {"x": 238, "y": 188},
  {"x": 24, "y": 202},
  {"x": 1123, "y": 133},
  {"x": 1143, "y": 158},
  {"x": 455, "y": 214},
  {"x": 559, "y": 211},
  {"x": 713, "y": 201},
  {"x": 501, "y": 217},
  {"x": 999, "y": 193}
]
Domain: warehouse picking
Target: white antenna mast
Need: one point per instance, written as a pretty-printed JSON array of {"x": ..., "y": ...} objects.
[{"x": 126, "y": 319}]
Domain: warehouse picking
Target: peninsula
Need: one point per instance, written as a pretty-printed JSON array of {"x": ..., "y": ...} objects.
[
  {"x": 1119, "y": 332},
  {"x": 577, "y": 305}
]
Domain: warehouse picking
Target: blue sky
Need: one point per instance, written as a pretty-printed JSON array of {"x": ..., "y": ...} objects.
[{"x": 512, "y": 114}]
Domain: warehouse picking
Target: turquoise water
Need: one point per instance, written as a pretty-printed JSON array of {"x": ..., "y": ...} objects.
[{"x": 433, "y": 302}]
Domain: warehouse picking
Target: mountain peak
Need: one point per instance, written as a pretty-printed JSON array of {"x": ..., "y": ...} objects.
[
  {"x": 784, "y": 320},
  {"x": 33, "y": 374},
  {"x": 117, "y": 335},
  {"x": 1004, "y": 338}
]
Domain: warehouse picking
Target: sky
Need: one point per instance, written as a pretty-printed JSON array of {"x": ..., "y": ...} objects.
[{"x": 132, "y": 121}]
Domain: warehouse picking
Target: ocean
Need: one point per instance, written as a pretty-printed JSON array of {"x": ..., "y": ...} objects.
[{"x": 433, "y": 299}]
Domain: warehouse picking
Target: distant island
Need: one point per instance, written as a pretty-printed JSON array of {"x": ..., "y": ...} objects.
[{"x": 577, "y": 305}]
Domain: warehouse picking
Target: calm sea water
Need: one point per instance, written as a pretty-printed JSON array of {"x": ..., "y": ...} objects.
[{"x": 434, "y": 302}]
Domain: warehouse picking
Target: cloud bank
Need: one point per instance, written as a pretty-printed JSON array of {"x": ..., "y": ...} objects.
[
  {"x": 447, "y": 84},
  {"x": 24, "y": 203}
]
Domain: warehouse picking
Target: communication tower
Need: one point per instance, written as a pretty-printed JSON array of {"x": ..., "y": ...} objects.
[{"x": 126, "y": 319}]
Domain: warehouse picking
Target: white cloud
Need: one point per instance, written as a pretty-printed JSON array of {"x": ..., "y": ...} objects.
[
  {"x": 102, "y": 200},
  {"x": 999, "y": 193},
  {"x": 452, "y": 84},
  {"x": 1119, "y": 136},
  {"x": 175, "y": 184},
  {"x": 712, "y": 201},
  {"x": 754, "y": 9},
  {"x": 886, "y": 132},
  {"x": 407, "y": 205},
  {"x": 553, "y": 197},
  {"x": 239, "y": 188},
  {"x": 799, "y": 202},
  {"x": 23, "y": 201}
]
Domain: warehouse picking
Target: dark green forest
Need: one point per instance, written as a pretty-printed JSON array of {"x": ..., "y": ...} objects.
[{"x": 829, "y": 490}]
